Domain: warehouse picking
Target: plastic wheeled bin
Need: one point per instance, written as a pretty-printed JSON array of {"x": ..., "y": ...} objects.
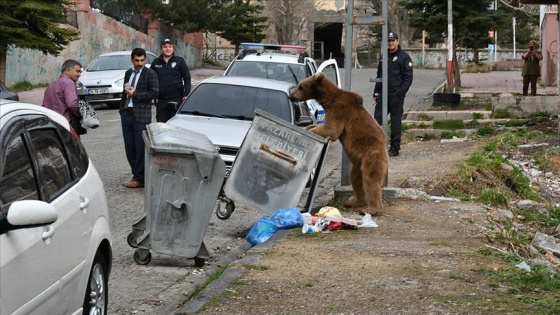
[
  {"x": 274, "y": 164},
  {"x": 184, "y": 175}
]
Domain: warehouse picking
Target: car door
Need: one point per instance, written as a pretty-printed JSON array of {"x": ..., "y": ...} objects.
[
  {"x": 29, "y": 257},
  {"x": 330, "y": 69},
  {"x": 63, "y": 169}
]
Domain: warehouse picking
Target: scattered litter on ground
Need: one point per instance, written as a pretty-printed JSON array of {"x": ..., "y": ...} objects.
[{"x": 523, "y": 265}]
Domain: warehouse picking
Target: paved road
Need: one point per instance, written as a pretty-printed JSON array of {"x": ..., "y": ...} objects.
[{"x": 161, "y": 286}]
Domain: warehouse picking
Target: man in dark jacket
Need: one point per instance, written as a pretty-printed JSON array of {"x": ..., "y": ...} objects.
[
  {"x": 174, "y": 81},
  {"x": 141, "y": 89},
  {"x": 399, "y": 80}
]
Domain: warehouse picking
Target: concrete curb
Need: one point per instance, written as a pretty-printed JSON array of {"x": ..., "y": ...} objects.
[{"x": 232, "y": 272}]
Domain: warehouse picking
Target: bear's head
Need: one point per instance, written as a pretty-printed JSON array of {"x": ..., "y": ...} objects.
[{"x": 313, "y": 87}]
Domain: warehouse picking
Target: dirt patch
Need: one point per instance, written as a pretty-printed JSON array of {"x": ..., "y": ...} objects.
[{"x": 424, "y": 258}]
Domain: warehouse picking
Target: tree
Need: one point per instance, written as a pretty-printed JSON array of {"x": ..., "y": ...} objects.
[
  {"x": 471, "y": 21},
  {"x": 33, "y": 24},
  {"x": 289, "y": 18},
  {"x": 241, "y": 22}
]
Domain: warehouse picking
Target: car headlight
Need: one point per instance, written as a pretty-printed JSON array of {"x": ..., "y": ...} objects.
[
  {"x": 79, "y": 85},
  {"x": 119, "y": 82}
]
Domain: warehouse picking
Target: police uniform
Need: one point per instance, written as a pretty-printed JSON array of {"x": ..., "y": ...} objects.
[{"x": 398, "y": 82}]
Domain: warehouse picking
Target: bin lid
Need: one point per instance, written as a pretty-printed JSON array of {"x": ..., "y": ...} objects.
[{"x": 172, "y": 139}]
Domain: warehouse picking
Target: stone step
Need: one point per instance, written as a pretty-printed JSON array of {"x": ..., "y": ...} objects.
[
  {"x": 436, "y": 133},
  {"x": 480, "y": 122},
  {"x": 451, "y": 114}
]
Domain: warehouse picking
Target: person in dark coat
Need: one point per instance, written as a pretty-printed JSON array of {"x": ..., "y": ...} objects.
[
  {"x": 140, "y": 91},
  {"x": 174, "y": 81},
  {"x": 398, "y": 82}
]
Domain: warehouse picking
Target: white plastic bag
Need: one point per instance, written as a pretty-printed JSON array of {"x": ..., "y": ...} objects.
[
  {"x": 89, "y": 116},
  {"x": 367, "y": 221}
]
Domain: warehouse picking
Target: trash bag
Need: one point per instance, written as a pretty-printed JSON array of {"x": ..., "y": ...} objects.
[
  {"x": 287, "y": 218},
  {"x": 261, "y": 231}
]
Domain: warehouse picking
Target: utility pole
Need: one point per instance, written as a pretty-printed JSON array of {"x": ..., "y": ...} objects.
[
  {"x": 450, "y": 78},
  {"x": 350, "y": 22}
]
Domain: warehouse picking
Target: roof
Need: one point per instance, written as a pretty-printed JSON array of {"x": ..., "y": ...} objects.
[
  {"x": 9, "y": 106},
  {"x": 271, "y": 57},
  {"x": 251, "y": 82}
]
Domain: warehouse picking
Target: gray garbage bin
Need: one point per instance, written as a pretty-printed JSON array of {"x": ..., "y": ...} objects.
[
  {"x": 184, "y": 175},
  {"x": 274, "y": 164}
]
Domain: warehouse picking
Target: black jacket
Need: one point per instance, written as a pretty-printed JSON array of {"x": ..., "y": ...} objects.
[
  {"x": 399, "y": 67},
  {"x": 174, "y": 77}
]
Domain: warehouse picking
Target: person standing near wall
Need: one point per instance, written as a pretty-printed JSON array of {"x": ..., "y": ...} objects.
[
  {"x": 141, "y": 89},
  {"x": 174, "y": 81},
  {"x": 61, "y": 95},
  {"x": 399, "y": 79},
  {"x": 531, "y": 68}
]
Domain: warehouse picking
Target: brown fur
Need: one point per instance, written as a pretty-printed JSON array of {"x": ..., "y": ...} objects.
[{"x": 362, "y": 138}]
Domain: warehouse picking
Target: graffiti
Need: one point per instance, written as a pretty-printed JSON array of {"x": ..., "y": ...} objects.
[{"x": 553, "y": 48}]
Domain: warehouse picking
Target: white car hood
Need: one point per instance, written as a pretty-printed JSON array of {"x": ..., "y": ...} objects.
[
  {"x": 107, "y": 77},
  {"x": 222, "y": 132}
]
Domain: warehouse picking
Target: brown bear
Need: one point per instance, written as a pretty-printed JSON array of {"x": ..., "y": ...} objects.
[{"x": 362, "y": 138}]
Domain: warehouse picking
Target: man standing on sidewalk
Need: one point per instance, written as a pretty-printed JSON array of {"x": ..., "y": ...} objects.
[
  {"x": 399, "y": 80},
  {"x": 174, "y": 81},
  {"x": 531, "y": 68},
  {"x": 141, "y": 88}
]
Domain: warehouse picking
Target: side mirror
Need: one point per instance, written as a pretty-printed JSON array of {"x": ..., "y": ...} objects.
[
  {"x": 304, "y": 121},
  {"x": 29, "y": 213}
]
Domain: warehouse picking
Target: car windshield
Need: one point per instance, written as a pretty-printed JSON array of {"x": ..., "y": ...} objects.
[
  {"x": 115, "y": 62},
  {"x": 292, "y": 73},
  {"x": 237, "y": 102}
]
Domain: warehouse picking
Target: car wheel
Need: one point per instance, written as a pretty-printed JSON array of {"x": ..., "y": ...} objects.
[{"x": 95, "y": 301}]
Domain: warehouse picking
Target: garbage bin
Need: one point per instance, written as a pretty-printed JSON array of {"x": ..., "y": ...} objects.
[
  {"x": 184, "y": 175},
  {"x": 274, "y": 164}
]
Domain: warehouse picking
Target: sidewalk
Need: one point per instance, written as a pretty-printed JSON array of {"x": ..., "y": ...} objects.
[{"x": 499, "y": 82}]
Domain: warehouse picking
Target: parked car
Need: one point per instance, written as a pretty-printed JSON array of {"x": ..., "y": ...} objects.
[
  {"x": 55, "y": 241},
  {"x": 6, "y": 93},
  {"x": 222, "y": 108},
  {"x": 279, "y": 62},
  {"x": 103, "y": 80}
]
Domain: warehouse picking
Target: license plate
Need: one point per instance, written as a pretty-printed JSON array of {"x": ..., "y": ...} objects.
[{"x": 98, "y": 91}]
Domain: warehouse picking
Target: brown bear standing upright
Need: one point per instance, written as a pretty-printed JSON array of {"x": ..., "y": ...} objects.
[{"x": 362, "y": 138}]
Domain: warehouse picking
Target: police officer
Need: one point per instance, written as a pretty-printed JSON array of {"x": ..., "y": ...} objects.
[
  {"x": 399, "y": 80},
  {"x": 174, "y": 81}
]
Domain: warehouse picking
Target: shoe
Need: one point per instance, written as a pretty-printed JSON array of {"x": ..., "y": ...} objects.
[
  {"x": 393, "y": 152},
  {"x": 133, "y": 184}
]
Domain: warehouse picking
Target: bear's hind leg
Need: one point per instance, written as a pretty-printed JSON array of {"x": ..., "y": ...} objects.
[
  {"x": 374, "y": 176},
  {"x": 358, "y": 196}
]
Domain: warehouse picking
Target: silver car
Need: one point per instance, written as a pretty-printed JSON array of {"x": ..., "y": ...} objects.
[
  {"x": 55, "y": 240},
  {"x": 222, "y": 108},
  {"x": 103, "y": 80}
]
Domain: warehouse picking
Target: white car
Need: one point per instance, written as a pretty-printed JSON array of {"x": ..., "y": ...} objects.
[
  {"x": 103, "y": 80},
  {"x": 222, "y": 108},
  {"x": 55, "y": 241},
  {"x": 278, "y": 62}
]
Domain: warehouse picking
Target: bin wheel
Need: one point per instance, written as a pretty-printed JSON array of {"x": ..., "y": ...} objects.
[
  {"x": 199, "y": 262},
  {"x": 131, "y": 240},
  {"x": 138, "y": 258},
  {"x": 223, "y": 213}
]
